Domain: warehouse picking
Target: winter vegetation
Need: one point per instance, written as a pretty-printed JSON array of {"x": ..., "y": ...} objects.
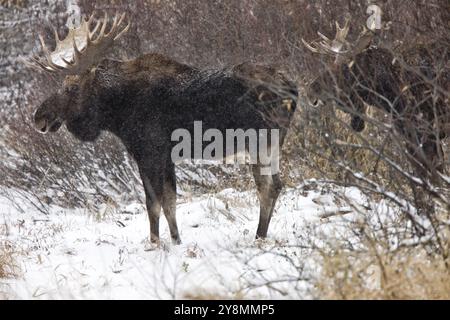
[{"x": 364, "y": 212}]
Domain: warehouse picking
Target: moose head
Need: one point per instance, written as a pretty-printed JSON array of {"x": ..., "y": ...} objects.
[
  {"x": 336, "y": 83},
  {"x": 78, "y": 58}
]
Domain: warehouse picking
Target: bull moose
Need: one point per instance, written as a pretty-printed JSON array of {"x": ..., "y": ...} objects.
[
  {"x": 142, "y": 101},
  {"x": 413, "y": 88}
]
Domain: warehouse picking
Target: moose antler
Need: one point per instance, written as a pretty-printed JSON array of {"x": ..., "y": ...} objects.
[
  {"x": 336, "y": 46},
  {"x": 81, "y": 48},
  {"x": 327, "y": 45}
]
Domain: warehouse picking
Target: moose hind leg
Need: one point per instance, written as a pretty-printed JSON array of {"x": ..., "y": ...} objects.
[
  {"x": 169, "y": 204},
  {"x": 269, "y": 188}
]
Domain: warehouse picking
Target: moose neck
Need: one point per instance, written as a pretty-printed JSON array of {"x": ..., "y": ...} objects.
[
  {"x": 116, "y": 107},
  {"x": 125, "y": 110}
]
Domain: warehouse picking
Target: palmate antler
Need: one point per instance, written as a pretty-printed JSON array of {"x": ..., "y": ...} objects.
[
  {"x": 81, "y": 48},
  {"x": 339, "y": 47},
  {"x": 327, "y": 45}
]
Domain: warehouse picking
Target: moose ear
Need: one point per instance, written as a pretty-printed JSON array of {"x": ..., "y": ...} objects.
[
  {"x": 101, "y": 67},
  {"x": 107, "y": 66},
  {"x": 99, "y": 70}
]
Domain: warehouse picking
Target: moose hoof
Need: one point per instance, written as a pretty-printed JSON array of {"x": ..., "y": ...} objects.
[
  {"x": 176, "y": 241},
  {"x": 259, "y": 242},
  {"x": 261, "y": 235},
  {"x": 152, "y": 244}
]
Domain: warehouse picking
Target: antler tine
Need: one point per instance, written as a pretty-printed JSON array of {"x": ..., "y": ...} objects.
[
  {"x": 311, "y": 48},
  {"x": 91, "y": 17},
  {"x": 341, "y": 33},
  {"x": 77, "y": 52},
  {"x": 102, "y": 30},
  {"x": 56, "y": 34},
  {"x": 325, "y": 38},
  {"x": 326, "y": 43},
  {"x": 124, "y": 30},
  {"x": 92, "y": 33},
  {"x": 35, "y": 63},
  {"x": 87, "y": 22},
  {"x": 44, "y": 46},
  {"x": 319, "y": 47},
  {"x": 122, "y": 17},
  {"x": 114, "y": 25},
  {"x": 69, "y": 63}
]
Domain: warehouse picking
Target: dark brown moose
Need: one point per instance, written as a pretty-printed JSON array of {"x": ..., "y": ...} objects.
[
  {"x": 413, "y": 88},
  {"x": 144, "y": 100}
]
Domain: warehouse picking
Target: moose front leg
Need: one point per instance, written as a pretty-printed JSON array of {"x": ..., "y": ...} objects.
[
  {"x": 153, "y": 186},
  {"x": 269, "y": 188}
]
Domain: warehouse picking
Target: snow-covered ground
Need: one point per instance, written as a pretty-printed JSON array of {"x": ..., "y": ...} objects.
[{"x": 105, "y": 254}]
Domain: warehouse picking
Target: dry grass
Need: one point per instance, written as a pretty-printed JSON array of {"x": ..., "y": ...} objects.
[
  {"x": 8, "y": 265},
  {"x": 405, "y": 274}
]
